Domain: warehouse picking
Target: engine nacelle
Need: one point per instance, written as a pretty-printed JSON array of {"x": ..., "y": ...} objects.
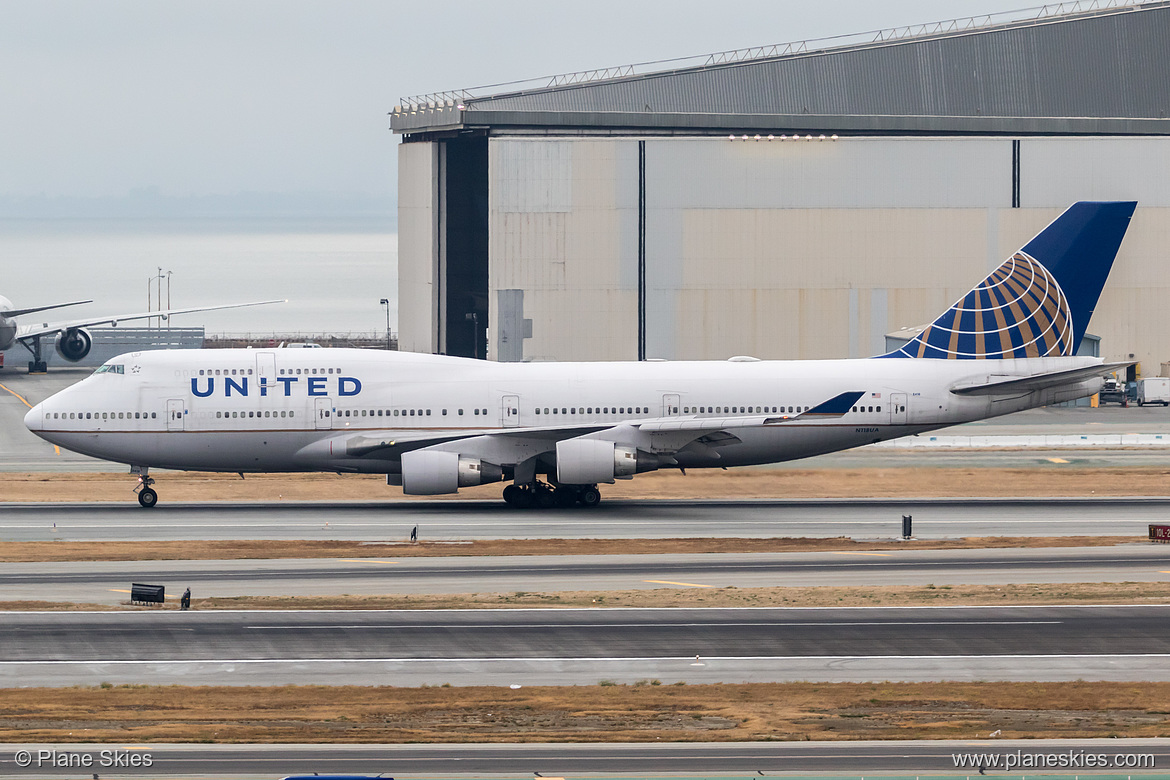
[
  {"x": 433, "y": 473},
  {"x": 589, "y": 461},
  {"x": 73, "y": 344}
]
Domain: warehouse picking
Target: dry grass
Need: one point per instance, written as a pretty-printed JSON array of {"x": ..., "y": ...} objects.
[
  {"x": 821, "y": 596},
  {"x": 642, "y": 712},
  {"x": 227, "y": 549},
  {"x": 1048, "y": 480}
]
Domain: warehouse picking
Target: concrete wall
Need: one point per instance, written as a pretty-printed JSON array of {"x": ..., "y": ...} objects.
[
  {"x": 781, "y": 249},
  {"x": 418, "y": 213}
]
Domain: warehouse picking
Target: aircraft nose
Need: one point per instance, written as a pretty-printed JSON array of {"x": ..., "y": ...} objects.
[{"x": 34, "y": 419}]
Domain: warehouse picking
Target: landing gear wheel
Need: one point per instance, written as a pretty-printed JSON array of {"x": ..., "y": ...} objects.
[
  {"x": 147, "y": 497},
  {"x": 510, "y": 495},
  {"x": 545, "y": 499},
  {"x": 565, "y": 497},
  {"x": 589, "y": 497},
  {"x": 524, "y": 499}
]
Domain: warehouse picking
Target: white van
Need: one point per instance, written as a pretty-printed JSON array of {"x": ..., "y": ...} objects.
[{"x": 1154, "y": 390}]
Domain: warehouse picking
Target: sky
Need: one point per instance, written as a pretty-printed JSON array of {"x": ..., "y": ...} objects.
[{"x": 140, "y": 98}]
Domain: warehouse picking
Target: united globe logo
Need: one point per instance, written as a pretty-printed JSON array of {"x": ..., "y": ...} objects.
[{"x": 1018, "y": 311}]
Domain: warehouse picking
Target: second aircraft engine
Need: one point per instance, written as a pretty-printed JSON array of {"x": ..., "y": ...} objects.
[
  {"x": 433, "y": 473},
  {"x": 73, "y": 344},
  {"x": 589, "y": 461}
]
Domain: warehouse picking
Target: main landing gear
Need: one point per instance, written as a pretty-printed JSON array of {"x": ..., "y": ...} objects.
[
  {"x": 545, "y": 496},
  {"x": 147, "y": 496}
]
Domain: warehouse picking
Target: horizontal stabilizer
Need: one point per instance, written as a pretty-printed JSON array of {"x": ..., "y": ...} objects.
[{"x": 1028, "y": 384}]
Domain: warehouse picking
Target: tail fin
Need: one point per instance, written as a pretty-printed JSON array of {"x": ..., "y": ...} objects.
[{"x": 1038, "y": 303}]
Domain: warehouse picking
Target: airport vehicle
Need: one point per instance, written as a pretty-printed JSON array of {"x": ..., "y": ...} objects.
[
  {"x": 1153, "y": 390},
  {"x": 70, "y": 338},
  {"x": 1113, "y": 391},
  {"x": 434, "y": 424}
]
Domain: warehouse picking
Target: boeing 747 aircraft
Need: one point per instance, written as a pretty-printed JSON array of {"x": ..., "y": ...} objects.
[
  {"x": 70, "y": 338},
  {"x": 434, "y": 424}
]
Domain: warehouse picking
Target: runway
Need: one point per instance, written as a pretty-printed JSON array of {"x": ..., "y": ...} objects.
[
  {"x": 630, "y": 519},
  {"x": 679, "y": 761},
  {"x": 109, "y": 581},
  {"x": 583, "y": 646}
]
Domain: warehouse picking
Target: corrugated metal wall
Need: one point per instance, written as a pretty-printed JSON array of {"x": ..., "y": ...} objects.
[
  {"x": 800, "y": 250},
  {"x": 563, "y": 228},
  {"x": 1111, "y": 65}
]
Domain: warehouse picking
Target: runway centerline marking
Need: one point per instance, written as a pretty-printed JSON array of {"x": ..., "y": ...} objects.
[
  {"x": 684, "y": 584},
  {"x": 883, "y": 555},
  {"x": 363, "y": 560},
  {"x": 121, "y": 590},
  {"x": 56, "y": 449}
]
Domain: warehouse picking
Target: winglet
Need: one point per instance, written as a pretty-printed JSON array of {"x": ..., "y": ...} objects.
[{"x": 837, "y": 406}]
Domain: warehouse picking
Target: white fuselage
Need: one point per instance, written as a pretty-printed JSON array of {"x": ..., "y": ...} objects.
[
  {"x": 312, "y": 409},
  {"x": 7, "y": 325}
]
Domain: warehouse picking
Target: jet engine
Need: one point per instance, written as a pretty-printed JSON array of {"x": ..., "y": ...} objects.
[
  {"x": 432, "y": 472},
  {"x": 589, "y": 461},
  {"x": 73, "y": 344}
]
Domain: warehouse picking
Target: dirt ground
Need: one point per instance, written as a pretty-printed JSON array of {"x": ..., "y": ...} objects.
[
  {"x": 645, "y": 711},
  {"x": 1056, "y": 480},
  {"x": 232, "y": 549},
  {"x": 824, "y": 596}
]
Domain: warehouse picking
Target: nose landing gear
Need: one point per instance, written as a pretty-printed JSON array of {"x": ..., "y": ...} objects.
[{"x": 147, "y": 497}]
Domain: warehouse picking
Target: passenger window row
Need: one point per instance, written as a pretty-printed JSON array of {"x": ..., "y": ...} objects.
[
  {"x": 399, "y": 412},
  {"x": 593, "y": 410},
  {"x": 225, "y": 372},
  {"x": 283, "y": 413},
  {"x": 309, "y": 371},
  {"x": 867, "y": 408},
  {"x": 102, "y": 415}
]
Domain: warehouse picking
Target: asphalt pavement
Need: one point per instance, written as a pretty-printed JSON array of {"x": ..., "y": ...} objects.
[
  {"x": 617, "y": 519},
  {"x": 585, "y": 646}
]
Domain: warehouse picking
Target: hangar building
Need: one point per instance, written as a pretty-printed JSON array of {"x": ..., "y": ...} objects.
[{"x": 796, "y": 201}]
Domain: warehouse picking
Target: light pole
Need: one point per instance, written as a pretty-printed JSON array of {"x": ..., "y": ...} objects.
[{"x": 386, "y": 305}]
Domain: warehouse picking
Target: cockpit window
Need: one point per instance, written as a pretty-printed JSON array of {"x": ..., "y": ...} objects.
[{"x": 111, "y": 368}]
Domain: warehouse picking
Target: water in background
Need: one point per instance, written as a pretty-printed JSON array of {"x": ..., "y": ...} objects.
[{"x": 333, "y": 273}]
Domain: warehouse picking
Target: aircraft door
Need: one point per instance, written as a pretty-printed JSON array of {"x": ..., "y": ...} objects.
[
  {"x": 266, "y": 369},
  {"x": 176, "y": 411},
  {"x": 670, "y": 404},
  {"x": 323, "y": 413},
  {"x": 510, "y": 411},
  {"x": 898, "y": 413}
]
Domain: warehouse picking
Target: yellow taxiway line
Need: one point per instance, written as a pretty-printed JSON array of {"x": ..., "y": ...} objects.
[
  {"x": 684, "y": 584},
  {"x": 56, "y": 449}
]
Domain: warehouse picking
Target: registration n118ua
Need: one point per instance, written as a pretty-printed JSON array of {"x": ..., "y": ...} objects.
[{"x": 555, "y": 431}]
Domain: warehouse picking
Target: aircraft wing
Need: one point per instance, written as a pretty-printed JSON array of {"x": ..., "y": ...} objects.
[
  {"x": 662, "y": 434},
  {"x": 35, "y": 309},
  {"x": 31, "y": 331},
  {"x": 1029, "y": 384}
]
